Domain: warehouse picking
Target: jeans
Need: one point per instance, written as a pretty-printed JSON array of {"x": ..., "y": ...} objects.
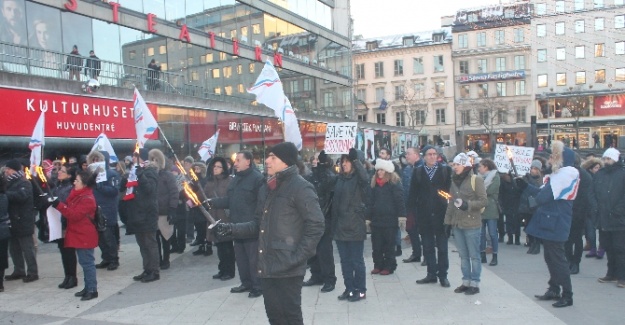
[
  {"x": 383, "y": 244},
  {"x": 149, "y": 251},
  {"x": 283, "y": 300},
  {"x": 398, "y": 237},
  {"x": 23, "y": 248},
  {"x": 591, "y": 233},
  {"x": 353, "y": 265},
  {"x": 468, "y": 244},
  {"x": 438, "y": 262},
  {"x": 559, "y": 271},
  {"x": 86, "y": 258},
  {"x": 614, "y": 244},
  {"x": 108, "y": 245},
  {"x": 491, "y": 226},
  {"x": 246, "y": 254}
]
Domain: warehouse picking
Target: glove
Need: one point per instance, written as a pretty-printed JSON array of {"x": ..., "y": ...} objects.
[
  {"x": 223, "y": 230},
  {"x": 462, "y": 205},
  {"x": 448, "y": 231},
  {"x": 323, "y": 158},
  {"x": 353, "y": 154},
  {"x": 171, "y": 216},
  {"x": 521, "y": 183},
  {"x": 54, "y": 201}
]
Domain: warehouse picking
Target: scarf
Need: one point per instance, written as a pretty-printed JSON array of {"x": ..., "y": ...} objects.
[
  {"x": 431, "y": 170},
  {"x": 488, "y": 178},
  {"x": 458, "y": 179},
  {"x": 380, "y": 181},
  {"x": 564, "y": 183},
  {"x": 272, "y": 182}
]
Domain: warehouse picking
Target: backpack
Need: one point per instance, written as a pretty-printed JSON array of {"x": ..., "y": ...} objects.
[
  {"x": 99, "y": 220},
  {"x": 473, "y": 176}
]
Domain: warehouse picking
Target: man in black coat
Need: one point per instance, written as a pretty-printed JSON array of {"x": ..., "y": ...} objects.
[
  {"x": 22, "y": 215},
  {"x": 288, "y": 224},
  {"x": 92, "y": 66},
  {"x": 429, "y": 208},
  {"x": 242, "y": 200}
]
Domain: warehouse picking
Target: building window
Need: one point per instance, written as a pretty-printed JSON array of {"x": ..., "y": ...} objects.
[
  {"x": 217, "y": 90},
  {"x": 420, "y": 117},
  {"x": 580, "y": 77},
  {"x": 294, "y": 86},
  {"x": 542, "y": 80},
  {"x": 241, "y": 89},
  {"x": 559, "y": 6},
  {"x": 500, "y": 37},
  {"x": 561, "y": 79},
  {"x": 307, "y": 85},
  {"x": 560, "y": 28},
  {"x": 379, "y": 94},
  {"x": 579, "y": 5},
  {"x": 482, "y": 90},
  {"x": 482, "y": 65},
  {"x": 500, "y": 64},
  {"x": 541, "y": 55},
  {"x": 440, "y": 116},
  {"x": 619, "y": 2},
  {"x": 463, "y": 41},
  {"x": 379, "y": 69},
  {"x": 380, "y": 118},
  {"x": 419, "y": 90},
  {"x": 195, "y": 76},
  {"x": 464, "y": 67},
  {"x": 223, "y": 56},
  {"x": 541, "y": 30},
  {"x": 256, "y": 29},
  {"x": 519, "y": 62},
  {"x": 519, "y": 35},
  {"x": 417, "y": 65},
  {"x": 398, "y": 67},
  {"x": 439, "y": 89},
  {"x": 347, "y": 98},
  {"x": 580, "y": 51},
  {"x": 439, "y": 63},
  {"x": 541, "y": 8},
  {"x": 400, "y": 119},
  {"x": 521, "y": 114},
  {"x": 215, "y": 73},
  {"x": 579, "y": 26},
  {"x": 483, "y": 117},
  {"x": 328, "y": 99},
  {"x": 619, "y": 74},
  {"x": 599, "y": 50},
  {"x": 228, "y": 90},
  {"x": 227, "y": 72},
  {"x": 233, "y": 34},
  {"x": 599, "y": 23},
  {"x": 600, "y": 76},
  {"x": 502, "y": 116},
  {"x": 151, "y": 51},
  {"x": 132, "y": 54},
  {"x": 465, "y": 117},
  {"x": 560, "y": 54},
  {"x": 619, "y": 21},
  {"x": 598, "y": 3},
  {"x": 399, "y": 92},
  {"x": 360, "y": 71},
  {"x": 361, "y": 95},
  {"x": 519, "y": 87},
  {"x": 162, "y": 49},
  {"x": 362, "y": 117},
  {"x": 619, "y": 47},
  {"x": 481, "y": 39},
  {"x": 465, "y": 91},
  {"x": 244, "y": 32},
  {"x": 501, "y": 89}
]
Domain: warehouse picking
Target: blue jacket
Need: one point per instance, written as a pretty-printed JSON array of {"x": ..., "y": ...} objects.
[{"x": 552, "y": 219}]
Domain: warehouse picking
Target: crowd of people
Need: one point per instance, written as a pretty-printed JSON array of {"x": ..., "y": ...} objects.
[{"x": 274, "y": 224}]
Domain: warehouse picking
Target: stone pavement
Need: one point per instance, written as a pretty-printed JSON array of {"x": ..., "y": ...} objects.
[{"x": 186, "y": 294}]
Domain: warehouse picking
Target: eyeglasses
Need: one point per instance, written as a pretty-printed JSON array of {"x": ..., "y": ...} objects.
[{"x": 218, "y": 167}]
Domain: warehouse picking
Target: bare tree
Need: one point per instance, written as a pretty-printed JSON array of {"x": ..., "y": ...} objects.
[
  {"x": 576, "y": 107},
  {"x": 415, "y": 103},
  {"x": 487, "y": 112}
]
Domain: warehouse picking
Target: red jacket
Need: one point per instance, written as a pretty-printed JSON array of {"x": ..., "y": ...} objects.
[{"x": 79, "y": 210}]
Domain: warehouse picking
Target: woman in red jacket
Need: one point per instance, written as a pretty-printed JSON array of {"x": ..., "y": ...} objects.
[{"x": 79, "y": 210}]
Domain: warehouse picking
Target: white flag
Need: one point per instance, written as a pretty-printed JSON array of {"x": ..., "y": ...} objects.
[
  {"x": 145, "y": 124},
  {"x": 102, "y": 143},
  {"x": 36, "y": 143},
  {"x": 268, "y": 90},
  {"x": 207, "y": 149}
]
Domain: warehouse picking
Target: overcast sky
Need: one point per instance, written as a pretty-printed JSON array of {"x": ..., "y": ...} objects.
[{"x": 389, "y": 17}]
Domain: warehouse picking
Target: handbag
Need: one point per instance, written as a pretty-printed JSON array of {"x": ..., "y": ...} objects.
[
  {"x": 5, "y": 228},
  {"x": 99, "y": 220}
]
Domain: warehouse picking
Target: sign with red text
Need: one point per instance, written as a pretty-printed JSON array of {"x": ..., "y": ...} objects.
[
  {"x": 340, "y": 137},
  {"x": 67, "y": 116},
  {"x": 610, "y": 105},
  {"x": 521, "y": 156}
]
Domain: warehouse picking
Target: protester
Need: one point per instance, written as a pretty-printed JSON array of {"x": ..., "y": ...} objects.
[
  {"x": 168, "y": 194},
  {"x": 534, "y": 178},
  {"x": 488, "y": 170},
  {"x": 5, "y": 224},
  {"x": 413, "y": 160},
  {"x": 592, "y": 165},
  {"x": 66, "y": 177}
]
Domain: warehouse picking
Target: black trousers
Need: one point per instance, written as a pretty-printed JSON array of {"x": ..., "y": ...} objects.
[
  {"x": 246, "y": 253},
  {"x": 108, "y": 245},
  {"x": 574, "y": 246},
  {"x": 179, "y": 239},
  {"x": 149, "y": 251},
  {"x": 383, "y": 245},
  {"x": 501, "y": 226},
  {"x": 225, "y": 253},
  {"x": 415, "y": 241},
  {"x": 436, "y": 254},
  {"x": 200, "y": 228},
  {"x": 283, "y": 300},
  {"x": 68, "y": 258},
  {"x": 513, "y": 224},
  {"x": 322, "y": 264},
  {"x": 614, "y": 244},
  {"x": 559, "y": 273},
  {"x": 163, "y": 247}
]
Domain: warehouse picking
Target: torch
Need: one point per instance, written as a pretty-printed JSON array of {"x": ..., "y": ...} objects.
[
  {"x": 511, "y": 158},
  {"x": 29, "y": 177},
  {"x": 192, "y": 177},
  {"x": 43, "y": 179},
  {"x": 444, "y": 195}
]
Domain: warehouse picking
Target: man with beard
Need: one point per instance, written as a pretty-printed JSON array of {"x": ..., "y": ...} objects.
[{"x": 12, "y": 28}]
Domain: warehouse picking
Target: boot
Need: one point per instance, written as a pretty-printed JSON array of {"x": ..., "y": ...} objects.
[
  {"x": 600, "y": 253},
  {"x": 517, "y": 239},
  {"x": 592, "y": 253},
  {"x": 398, "y": 251},
  {"x": 510, "y": 240},
  {"x": 72, "y": 282},
  {"x": 565, "y": 301},
  {"x": 200, "y": 251},
  {"x": 483, "y": 257},
  {"x": 209, "y": 250},
  {"x": 535, "y": 249},
  {"x": 64, "y": 283},
  {"x": 493, "y": 261},
  {"x": 574, "y": 268}
]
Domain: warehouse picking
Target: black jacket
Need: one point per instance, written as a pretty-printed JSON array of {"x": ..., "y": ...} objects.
[
  {"x": 323, "y": 179},
  {"x": 143, "y": 209},
  {"x": 93, "y": 64},
  {"x": 609, "y": 186},
  {"x": 585, "y": 203},
  {"x": 167, "y": 192},
  {"x": 429, "y": 207},
  {"x": 348, "y": 207},
  {"x": 242, "y": 195},
  {"x": 21, "y": 212},
  {"x": 386, "y": 205},
  {"x": 290, "y": 223}
]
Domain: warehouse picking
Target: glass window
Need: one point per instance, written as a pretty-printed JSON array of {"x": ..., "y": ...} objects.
[
  {"x": 502, "y": 116},
  {"x": 619, "y": 74},
  {"x": 379, "y": 69},
  {"x": 600, "y": 76},
  {"x": 598, "y": 3},
  {"x": 215, "y": 73},
  {"x": 579, "y": 26},
  {"x": 580, "y": 51},
  {"x": 241, "y": 89},
  {"x": 519, "y": 35},
  {"x": 521, "y": 114},
  {"x": 240, "y": 69},
  {"x": 482, "y": 90},
  {"x": 307, "y": 84},
  {"x": 500, "y": 64},
  {"x": 599, "y": 23},
  {"x": 619, "y": 47},
  {"x": 217, "y": 90},
  {"x": 483, "y": 117},
  {"x": 481, "y": 39},
  {"x": 417, "y": 67},
  {"x": 580, "y": 77},
  {"x": 380, "y": 118},
  {"x": 439, "y": 63},
  {"x": 519, "y": 62},
  {"x": 379, "y": 94},
  {"x": 132, "y": 54},
  {"x": 482, "y": 65},
  {"x": 252, "y": 67},
  {"x": 328, "y": 99},
  {"x": 500, "y": 37},
  {"x": 501, "y": 89},
  {"x": 560, "y": 28},
  {"x": 619, "y": 21},
  {"x": 464, "y": 67},
  {"x": 400, "y": 119},
  {"x": 360, "y": 71},
  {"x": 541, "y": 30},
  {"x": 294, "y": 85},
  {"x": 542, "y": 80},
  {"x": 541, "y": 55},
  {"x": 361, "y": 94},
  {"x": 439, "y": 89},
  {"x": 560, "y": 53},
  {"x": 465, "y": 117},
  {"x": 162, "y": 49},
  {"x": 399, "y": 92},
  {"x": 209, "y": 57},
  {"x": 440, "y": 116},
  {"x": 228, "y": 90},
  {"x": 463, "y": 41},
  {"x": 559, "y": 6},
  {"x": 150, "y": 51},
  {"x": 541, "y": 8},
  {"x": 579, "y": 5},
  {"x": 599, "y": 50},
  {"x": 519, "y": 87},
  {"x": 561, "y": 79},
  {"x": 398, "y": 66},
  {"x": 256, "y": 29},
  {"x": 227, "y": 72},
  {"x": 465, "y": 91}
]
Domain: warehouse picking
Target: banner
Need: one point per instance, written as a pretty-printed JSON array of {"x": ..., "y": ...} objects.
[
  {"x": 340, "y": 137},
  {"x": 522, "y": 157},
  {"x": 370, "y": 144},
  {"x": 610, "y": 105},
  {"x": 207, "y": 149},
  {"x": 36, "y": 143},
  {"x": 102, "y": 143},
  {"x": 145, "y": 123}
]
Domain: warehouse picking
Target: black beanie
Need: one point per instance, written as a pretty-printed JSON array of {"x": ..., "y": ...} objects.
[
  {"x": 143, "y": 154},
  {"x": 426, "y": 148},
  {"x": 15, "y": 165},
  {"x": 286, "y": 151}
]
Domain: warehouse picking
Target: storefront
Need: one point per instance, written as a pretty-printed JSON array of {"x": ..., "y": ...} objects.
[{"x": 481, "y": 142}]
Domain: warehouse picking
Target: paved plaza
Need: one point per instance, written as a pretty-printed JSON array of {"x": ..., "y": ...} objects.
[{"x": 186, "y": 294}]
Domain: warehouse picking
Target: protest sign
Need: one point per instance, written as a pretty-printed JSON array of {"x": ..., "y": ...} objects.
[
  {"x": 522, "y": 157},
  {"x": 340, "y": 137}
]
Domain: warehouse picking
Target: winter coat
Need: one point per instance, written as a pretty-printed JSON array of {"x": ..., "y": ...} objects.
[
  {"x": 476, "y": 199},
  {"x": 323, "y": 179},
  {"x": 429, "y": 207},
  {"x": 524, "y": 207},
  {"x": 4, "y": 244},
  {"x": 167, "y": 192},
  {"x": 290, "y": 222},
  {"x": 74, "y": 61},
  {"x": 386, "y": 203},
  {"x": 218, "y": 187},
  {"x": 107, "y": 192},
  {"x": 348, "y": 206},
  {"x": 552, "y": 218},
  {"x": 79, "y": 210},
  {"x": 492, "y": 192},
  {"x": 61, "y": 191},
  {"x": 585, "y": 203},
  {"x": 406, "y": 178},
  {"x": 93, "y": 64},
  {"x": 142, "y": 211},
  {"x": 509, "y": 197},
  {"x": 21, "y": 212},
  {"x": 609, "y": 188},
  {"x": 242, "y": 195}
]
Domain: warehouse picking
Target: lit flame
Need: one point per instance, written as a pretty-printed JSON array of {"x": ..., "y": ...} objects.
[
  {"x": 444, "y": 194},
  {"x": 509, "y": 153},
  {"x": 137, "y": 148},
  {"x": 233, "y": 157},
  {"x": 41, "y": 175},
  {"x": 190, "y": 194},
  {"x": 27, "y": 173},
  {"x": 180, "y": 168},
  {"x": 193, "y": 175},
  {"x": 63, "y": 161}
]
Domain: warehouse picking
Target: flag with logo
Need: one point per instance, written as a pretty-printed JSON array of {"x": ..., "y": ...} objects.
[
  {"x": 268, "y": 90},
  {"x": 207, "y": 149},
  {"x": 102, "y": 143},
  {"x": 36, "y": 143},
  {"x": 145, "y": 123}
]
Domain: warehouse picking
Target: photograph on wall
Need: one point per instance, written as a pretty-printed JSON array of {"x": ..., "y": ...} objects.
[
  {"x": 402, "y": 143},
  {"x": 44, "y": 28},
  {"x": 13, "y": 24},
  {"x": 395, "y": 144},
  {"x": 370, "y": 144}
]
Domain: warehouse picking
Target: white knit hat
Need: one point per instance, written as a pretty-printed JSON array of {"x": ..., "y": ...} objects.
[
  {"x": 612, "y": 154},
  {"x": 462, "y": 159},
  {"x": 385, "y": 165}
]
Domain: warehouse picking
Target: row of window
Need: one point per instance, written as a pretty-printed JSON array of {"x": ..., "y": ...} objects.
[
  {"x": 580, "y": 77},
  {"x": 419, "y": 117},
  {"x": 490, "y": 117},
  {"x": 398, "y": 67},
  {"x": 501, "y": 89},
  {"x": 417, "y": 93},
  {"x": 580, "y": 26},
  {"x": 500, "y": 38},
  {"x": 481, "y": 65},
  {"x": 578, "y": 5},
  {"x": 580, "y": 51}
]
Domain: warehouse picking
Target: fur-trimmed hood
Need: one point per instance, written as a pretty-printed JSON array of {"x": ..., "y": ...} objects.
[
  {"x": 202, "y": 168},
  {"x": 158, "y": 157},
  {"x": 589, "y": 163}
]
